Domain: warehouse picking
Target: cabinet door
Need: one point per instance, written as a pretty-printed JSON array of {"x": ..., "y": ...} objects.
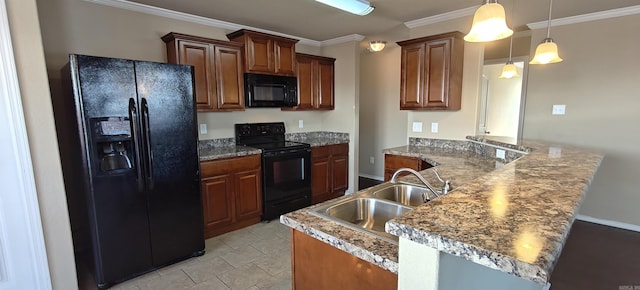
[
  {"x": 200, "y": 56},
  {"x": 306, "y": 87},
  {"x": 325, "y": 84},
  {"x": 412, "y": 76},
  {"x": 259, "y": 58},
  {"x": 320, "y": 179},
  {"x": 248, "y": 191},
  {"x": 285, "y": 58},
  {"x": 228, "y": 67},
  {"x": 340, "y": 166},
  {"x": 438, "y": 56},
  {"x": 217, "y": 201}
]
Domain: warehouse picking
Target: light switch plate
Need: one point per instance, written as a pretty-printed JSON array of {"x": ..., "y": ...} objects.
[
  {"x": 203, "y": 129},
  {"x": 300, "y": 124},
  {"x": 434, "y": 127},
  {"x": 372, "y": 160},
  {"x": 558, "y": 109},
  {"x": 417, "y": 127}
]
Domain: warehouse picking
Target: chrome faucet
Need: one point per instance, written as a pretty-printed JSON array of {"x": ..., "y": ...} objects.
[{"x": 445, "y": 187}]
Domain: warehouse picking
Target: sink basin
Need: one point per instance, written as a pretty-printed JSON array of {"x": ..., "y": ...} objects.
[
  {"x": 401, "y": 193},
  {"x": 363, "y": 214}
]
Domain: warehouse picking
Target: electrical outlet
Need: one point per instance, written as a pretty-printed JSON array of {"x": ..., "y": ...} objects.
[
  {"x": 558, "y": 109},
  {"x": 203, "y": 129},
  {"x": 417, "y": 127},
  {"x": 434, "y": 127},
  {"x": 555, "y": 152},
  {"x": 371, "y": 160},
  {"x": 500, "y": 153},
  {"x": 300, "y": 124}
]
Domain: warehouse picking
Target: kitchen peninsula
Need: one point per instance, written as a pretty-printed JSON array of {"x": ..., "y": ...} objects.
[{"x": 503, "y": 225}]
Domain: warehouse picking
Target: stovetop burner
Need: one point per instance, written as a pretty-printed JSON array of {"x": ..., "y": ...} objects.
[{"x": 265, "y": 136}]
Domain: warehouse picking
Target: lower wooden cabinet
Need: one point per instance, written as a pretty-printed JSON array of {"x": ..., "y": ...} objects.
[
  {"x": 329, "y": 172},
  {"x": 231, "y": 193},
  {"x": 316, "y": 265},
  {"x": 394, "y": 162}
]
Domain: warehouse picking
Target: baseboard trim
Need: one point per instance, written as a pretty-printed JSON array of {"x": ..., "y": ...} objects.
[
  {"x": 378, "y": 178},
  {"x": 615, "y": 224}
]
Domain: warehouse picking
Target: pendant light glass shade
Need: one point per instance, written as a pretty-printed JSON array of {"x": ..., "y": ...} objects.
[
  {"x": 509, "y": 71},
  {"x": 359, "y": 7},
  {"x": 489, "y": 23},
  {"x": 377, "y": 45},
  {"x": 547, "y": 51}
]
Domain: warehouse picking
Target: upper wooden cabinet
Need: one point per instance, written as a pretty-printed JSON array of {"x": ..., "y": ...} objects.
[
  {"x": 218, "y": 73},
  {"x": 315, "y": 82},
  {"x": 431, "y": 72},
  {"x": 266, "y": 53}
]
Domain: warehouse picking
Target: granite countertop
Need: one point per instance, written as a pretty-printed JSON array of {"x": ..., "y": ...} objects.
[
  {"x": 465, "y": 167},
  {"x": 223, "y": 148},
  {"x": 320, "y": 138},
  {"x": 212, "y": 149},
  {"x": 511, "y": 217},
  {"x": 514, "y": 219},
  {"x": 213, "y": 153}
]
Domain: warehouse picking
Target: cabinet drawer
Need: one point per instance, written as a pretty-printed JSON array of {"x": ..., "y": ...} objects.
[
  {"x": 227, "y": 165},
  {"x": 320, "y": 151},
  {"x": 340, "y": 149}
]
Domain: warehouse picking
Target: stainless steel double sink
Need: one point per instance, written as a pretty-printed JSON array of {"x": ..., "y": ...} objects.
[{"x": 369, "y": 210}]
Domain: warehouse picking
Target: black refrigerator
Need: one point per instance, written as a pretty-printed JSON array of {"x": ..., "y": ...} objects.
[{"x": 129, "y": 149}]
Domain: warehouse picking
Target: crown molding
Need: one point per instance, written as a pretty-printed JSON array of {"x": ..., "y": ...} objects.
[
  {"x": 148, "y": 9},
  {"x": 625, "y": 11},
  {"x": 441, "y": 17},
  {"x": 342, "y": 39}
]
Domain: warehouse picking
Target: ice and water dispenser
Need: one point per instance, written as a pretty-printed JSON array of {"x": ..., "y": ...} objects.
[{"x": 112, "y": 144}]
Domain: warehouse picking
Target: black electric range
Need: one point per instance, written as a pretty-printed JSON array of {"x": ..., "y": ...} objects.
[{"x": 286, "y": 167}]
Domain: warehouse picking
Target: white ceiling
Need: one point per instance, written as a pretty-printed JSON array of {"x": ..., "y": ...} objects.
[{"x": 313, "y": 20}]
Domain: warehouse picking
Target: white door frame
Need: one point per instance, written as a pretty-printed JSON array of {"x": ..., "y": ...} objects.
[{"x": 23, "y": 257}]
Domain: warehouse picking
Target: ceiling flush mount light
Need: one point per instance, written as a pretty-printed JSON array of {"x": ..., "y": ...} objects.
[
  {"x": 359, "y": 7},
  {"x": 377, "y": 45},
  {"x": 489, "y": 23},
  {"x": 547, "y": 51}
]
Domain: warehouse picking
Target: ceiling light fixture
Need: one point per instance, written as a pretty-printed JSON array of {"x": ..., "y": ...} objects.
[
  {"x": 359, "y": 7},
  {"x": 509, "y": 70},
  {"x": 489, "y": 23},
  {"x": 377, "y": 45},
  {"x": 547, "y": 51}
]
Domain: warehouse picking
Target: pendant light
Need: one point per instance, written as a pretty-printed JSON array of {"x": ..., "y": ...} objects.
[
  {"x": 489, "y": 23},
  {"x": 509, "y": 70},
  {"x": 547, "y": 51}
]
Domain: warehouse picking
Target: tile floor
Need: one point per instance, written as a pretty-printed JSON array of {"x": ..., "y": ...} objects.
[{"x": 256, "y": 257}]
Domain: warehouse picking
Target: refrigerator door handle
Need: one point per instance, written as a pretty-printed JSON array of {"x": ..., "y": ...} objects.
[
  {"x": 133, "y": 119},
  {"x": 147, "y": 141}
]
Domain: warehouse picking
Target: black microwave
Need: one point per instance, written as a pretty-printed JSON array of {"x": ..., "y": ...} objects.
[{"x": 263, "y": 91}]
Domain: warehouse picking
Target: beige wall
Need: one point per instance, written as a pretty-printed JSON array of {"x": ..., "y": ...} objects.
[
  {"x": 381, "y": 82},
  {"x": 76, "y": 26},
  {"x": 382, "y": 124},
  {"x": 34, "y": 88},
  {"x": 345, "y": 116},
  {"x": 598, "y": 81}
]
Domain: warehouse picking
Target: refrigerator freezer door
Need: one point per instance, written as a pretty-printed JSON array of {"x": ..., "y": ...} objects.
[
  {"x": 167, "y": 106},
  {"x": 117, "y": 209}
]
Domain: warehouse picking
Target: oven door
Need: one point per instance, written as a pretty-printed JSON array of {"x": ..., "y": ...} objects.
[{"x": 286, "y": 174}]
